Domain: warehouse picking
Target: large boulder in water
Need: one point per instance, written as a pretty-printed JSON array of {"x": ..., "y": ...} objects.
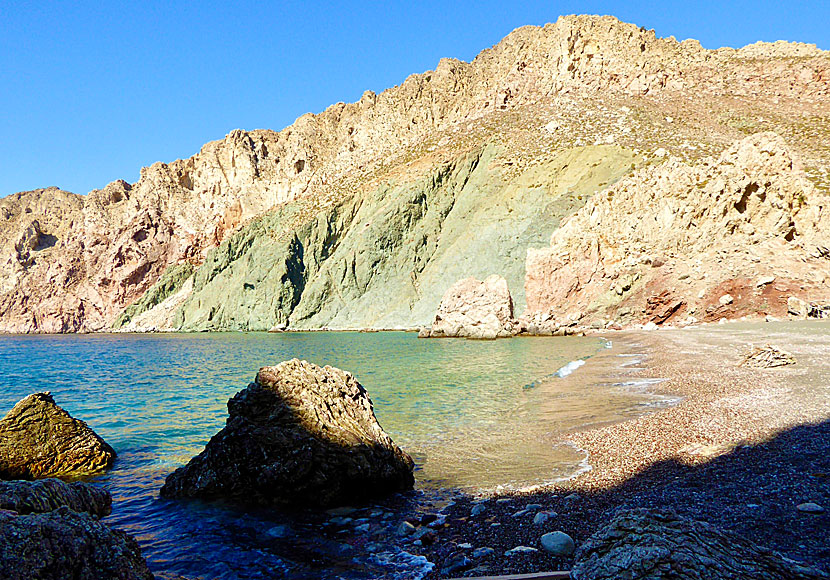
[
  {"x": 66, "y": 544},
  {"x": 647, "y": 545},
  {"x": 39, "y": 439},
  {"x": 45, "y": 495},
  {"x": 299, "y": 435},
  {"x": 473, "y": 308}
]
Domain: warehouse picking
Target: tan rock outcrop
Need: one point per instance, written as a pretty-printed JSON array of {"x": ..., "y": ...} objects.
[
  {"x": 674, "y": 239},
  {"x": 39, "y": 439},
  {"x": 475, "y": 309}
]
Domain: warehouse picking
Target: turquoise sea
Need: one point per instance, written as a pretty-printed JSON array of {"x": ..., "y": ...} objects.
[{"x": 473, "y": 414}]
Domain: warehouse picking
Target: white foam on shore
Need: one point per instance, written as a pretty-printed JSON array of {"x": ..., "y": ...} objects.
[
  {"x": 402, "y": 565},
  {"x": 635, "y": 359},
  {"x": 569, "y": 368}
]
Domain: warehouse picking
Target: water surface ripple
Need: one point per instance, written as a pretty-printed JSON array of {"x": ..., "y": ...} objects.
[{"x": 473, "y": 414}]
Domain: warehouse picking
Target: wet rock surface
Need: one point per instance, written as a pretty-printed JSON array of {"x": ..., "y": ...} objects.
[
  {"x": 45, "y": 495},
  {"x": 65, "y": 544},
  {"x": 300, "y": 435},
  {"x": 40, "y": 439},
  {"x": 655, "y": 545}
]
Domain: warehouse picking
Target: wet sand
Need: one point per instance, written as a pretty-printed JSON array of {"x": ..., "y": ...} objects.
[{"x": 740, "y": 449}]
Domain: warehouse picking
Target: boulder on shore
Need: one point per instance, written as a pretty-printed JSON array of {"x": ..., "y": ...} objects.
[
  {"x": 299, "y": 435},
  {"x": 643, "y": 544},
  {"x": 45, "y": 495},
  {"x": 39, "y": 439},
  {"x": 473, "y": 308},
  {"x": 64, "y": 544}
]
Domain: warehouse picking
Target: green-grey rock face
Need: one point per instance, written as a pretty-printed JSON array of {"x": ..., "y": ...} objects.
[
  {"x": 169, "y": 283},
  {"x": 384, "y": 259}
]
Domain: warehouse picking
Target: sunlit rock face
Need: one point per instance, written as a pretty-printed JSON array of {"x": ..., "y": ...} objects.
[
  {"x": 40, "y": 439},
  {"x": 299, "y": 435},
  {"x": 673, "y": 239},
  {"x": 73, "y": 263}
]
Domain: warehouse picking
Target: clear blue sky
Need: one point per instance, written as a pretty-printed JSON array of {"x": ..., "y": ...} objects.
[{"x": 92, "y": 91}]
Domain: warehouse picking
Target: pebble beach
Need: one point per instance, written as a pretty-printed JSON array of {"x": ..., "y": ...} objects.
[{"x": 745, "y": 449}]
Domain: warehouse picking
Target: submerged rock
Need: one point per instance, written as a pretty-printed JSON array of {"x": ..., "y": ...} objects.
[
  {"x": 45, "y": 495},
  {"x": 66, "y": 544},
  {"x": 39, "y": 439},
  {"x": 475, "y": 309},
  {"x": 642, "y": 544},
  {"x": 299, "y": 435}
]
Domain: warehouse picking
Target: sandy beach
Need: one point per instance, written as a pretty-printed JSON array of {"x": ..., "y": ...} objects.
[{"x": 740, "y": 449}]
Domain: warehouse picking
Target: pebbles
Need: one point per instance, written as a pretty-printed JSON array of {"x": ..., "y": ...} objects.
[{"x": 478, "y": 510}]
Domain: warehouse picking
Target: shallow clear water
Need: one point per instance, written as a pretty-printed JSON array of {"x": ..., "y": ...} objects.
[{"x": 473, "y": 415}]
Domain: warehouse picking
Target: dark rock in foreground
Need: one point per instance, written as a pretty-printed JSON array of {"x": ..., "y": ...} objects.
[
  {"x": 653, "y": 545},
  {"x": 39, "y": 439},
  {"x": 299, "y": 435},
  {"x": 45, "y": 495},
  {"x": 66, "y": 544}
]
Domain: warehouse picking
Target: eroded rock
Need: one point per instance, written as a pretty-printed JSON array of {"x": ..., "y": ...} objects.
[
  {"x": 717, "y": 219},
  {"x": 40, "y": 439},
  {"x": 643, "y": 544},
  {"x": 66, "y": 544},
  {"x": 300, "y": 435},
  {"x": 45, "y": 495},
  {"x": 766, "y": 357},
  {"x": 473, "y": 308}
]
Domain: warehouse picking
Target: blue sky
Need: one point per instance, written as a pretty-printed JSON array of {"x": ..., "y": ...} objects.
[{"x": 91, "y": 92}]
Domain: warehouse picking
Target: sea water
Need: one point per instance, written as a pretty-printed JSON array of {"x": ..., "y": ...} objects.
[{"x": 473, "y": 414}]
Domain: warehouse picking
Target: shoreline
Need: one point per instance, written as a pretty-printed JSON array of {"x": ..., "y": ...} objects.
[{"x": 740, "y": 450}]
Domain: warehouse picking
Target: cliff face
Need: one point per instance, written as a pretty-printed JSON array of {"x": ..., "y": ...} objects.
[
  {"x": 674, "y": 240},
  {"x": 453, "y": 168},
  {"x": 385, "y": 258}
]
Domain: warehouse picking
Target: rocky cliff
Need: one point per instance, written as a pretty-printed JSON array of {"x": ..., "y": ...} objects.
[
  {"x": 364, "y": 214},
  {"x": 726, "y": 237}
]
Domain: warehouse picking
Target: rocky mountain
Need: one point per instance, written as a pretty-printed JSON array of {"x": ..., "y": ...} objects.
[{"x": 364, "y": 215}]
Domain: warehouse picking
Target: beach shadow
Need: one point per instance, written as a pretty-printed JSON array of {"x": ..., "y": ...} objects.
[{"x": 752, "y": 490}]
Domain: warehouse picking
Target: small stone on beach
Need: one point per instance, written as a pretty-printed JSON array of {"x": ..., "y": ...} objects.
[
  {"x": 810, "y": 508},
  {"x": 520, "y": 550},
  {"x": 558, "y": 543},
  {"x": 482, "y": 552},
  {"x": 405, "y": 528}
]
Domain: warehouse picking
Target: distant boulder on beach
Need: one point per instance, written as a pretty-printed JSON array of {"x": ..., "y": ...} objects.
[
  {"x": 40, "y": 439},
  {"x": 474, "y": 308},
  {"x": 300, "y": 435}
]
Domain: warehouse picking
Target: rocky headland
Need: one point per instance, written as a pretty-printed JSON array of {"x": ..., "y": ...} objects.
[{"x": 364, "y": 215}]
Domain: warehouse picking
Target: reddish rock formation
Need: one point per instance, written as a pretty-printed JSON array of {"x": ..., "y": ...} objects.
[{"x": 674, "y": 238}]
